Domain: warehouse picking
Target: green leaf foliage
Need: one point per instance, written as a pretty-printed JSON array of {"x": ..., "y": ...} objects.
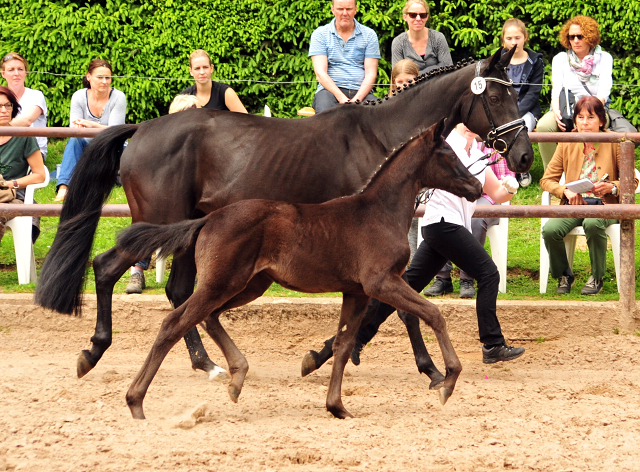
[{"x": 254, "y": 41}]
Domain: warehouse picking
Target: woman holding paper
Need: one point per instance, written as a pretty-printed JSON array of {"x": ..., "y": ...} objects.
[{"x": 595, "y": 162}]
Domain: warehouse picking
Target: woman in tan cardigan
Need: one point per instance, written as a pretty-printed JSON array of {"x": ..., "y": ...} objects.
[{"x": 599, "y": 163}]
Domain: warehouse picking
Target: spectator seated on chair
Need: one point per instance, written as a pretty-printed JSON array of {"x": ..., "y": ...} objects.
[
  {"x": 98, "y": 105},
  {"x": 599, "y": 163},
  {"x": 17, "y": 155},
  {"x": 479, "y": 226}
]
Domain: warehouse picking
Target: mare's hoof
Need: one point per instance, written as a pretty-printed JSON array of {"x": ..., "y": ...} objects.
[
  {"x": 340, "y": 413},
  {"x": 219, "y": 374},
  {"x": 436, "y": 381},
  {"x": 84, "y": 365},
  {"x": 445, "y": 393},
  {"x": 309, "y": 363},
  {"x": 234, "y": 393},
  {"x": 137, "y": 412}
]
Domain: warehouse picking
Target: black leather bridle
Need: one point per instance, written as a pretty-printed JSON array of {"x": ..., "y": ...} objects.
[{"x": 494, "y": 137}]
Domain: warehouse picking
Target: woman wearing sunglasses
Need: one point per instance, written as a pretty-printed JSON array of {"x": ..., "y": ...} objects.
[
  {"x": 584, "y": 69},
  {"x": 33, "y": 106},
  {"x": 426, "y": 47}
]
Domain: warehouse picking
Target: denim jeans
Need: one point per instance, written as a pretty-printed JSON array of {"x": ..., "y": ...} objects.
[{"x": 70, "y": 157}]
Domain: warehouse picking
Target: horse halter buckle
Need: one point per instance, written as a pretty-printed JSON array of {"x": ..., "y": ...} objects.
[{"x": 494, "y": 139}]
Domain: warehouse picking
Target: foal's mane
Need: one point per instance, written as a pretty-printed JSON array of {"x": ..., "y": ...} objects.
[
  {"x": 389, "y": 160},
  {"x": 421, "y": 78}
]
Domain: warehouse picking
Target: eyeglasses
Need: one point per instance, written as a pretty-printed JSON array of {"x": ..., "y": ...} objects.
[
  {"x": 571, "y": 37},
  {"x": 413, "y": 15},
  {"x": 6, "y": 106},
  {"x": 11, "y": 56}
]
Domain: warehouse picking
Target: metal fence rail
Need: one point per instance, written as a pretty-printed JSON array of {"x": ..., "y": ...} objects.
[{"x": 626, "y": 212}]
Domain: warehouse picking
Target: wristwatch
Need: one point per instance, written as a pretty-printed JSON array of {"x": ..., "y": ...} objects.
[
  {"x": 615, "y": 190},
  {"x": 15, "y": 184}
]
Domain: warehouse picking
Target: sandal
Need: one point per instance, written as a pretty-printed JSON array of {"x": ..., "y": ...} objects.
[{"x": 62, "y": 194}]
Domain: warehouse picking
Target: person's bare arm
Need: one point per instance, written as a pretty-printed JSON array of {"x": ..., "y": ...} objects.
[
  {"x": 370, "y": 74},
  {"x": 233, "y": 102},
  {"x": 494, "y": 188},
  {"x": 28, "y": 116},
  {"x": 321, "y": 67}
]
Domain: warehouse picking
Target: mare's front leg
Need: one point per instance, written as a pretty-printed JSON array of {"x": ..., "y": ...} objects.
[
  {"x": 396, "y": 292},
  {"x": 108, "y": 267},
  {"x": 353, "y": 309},
  {"x": 179, "y": 288},
  {"x": 423, "y": 359}
]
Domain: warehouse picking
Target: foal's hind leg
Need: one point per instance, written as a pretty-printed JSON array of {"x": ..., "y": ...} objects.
[
  {"x": 179, "y": 288},
  {"x": 108, "y": 268},
  {"x": 174, "y": 326},
  {"x": 353, "y": 308},
  {"x": 423, "y": 359},
  {"x": 396, "y": 292}
]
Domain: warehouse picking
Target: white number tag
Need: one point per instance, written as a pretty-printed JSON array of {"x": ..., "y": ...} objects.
[{"x": 478, "y": 85}]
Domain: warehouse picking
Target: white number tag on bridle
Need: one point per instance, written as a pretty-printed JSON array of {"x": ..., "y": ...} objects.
[{"x": 478, "y": 85}]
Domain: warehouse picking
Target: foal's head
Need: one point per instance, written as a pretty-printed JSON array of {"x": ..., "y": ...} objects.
[{"x": 442, "y": 169}]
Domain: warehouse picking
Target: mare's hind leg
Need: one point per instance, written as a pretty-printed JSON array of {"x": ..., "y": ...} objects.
[
  {"x": 353, "y": 308},
  {"x": 238, "y": 365},
  {"x": 396, "y": 292},
  {"x": 108, "y": 268},
  {"x": 423, "y": 359},
  {"x": 174, "y": 326},
  {"x": 179, "y": 288}
]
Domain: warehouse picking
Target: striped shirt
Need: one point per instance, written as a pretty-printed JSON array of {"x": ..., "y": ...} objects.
[{"x": 345, "y": 59}]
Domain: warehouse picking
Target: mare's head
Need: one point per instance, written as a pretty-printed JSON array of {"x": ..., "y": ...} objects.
[
  {"x": 490, "y": 109},
  {"x": 442, "y": 168}
]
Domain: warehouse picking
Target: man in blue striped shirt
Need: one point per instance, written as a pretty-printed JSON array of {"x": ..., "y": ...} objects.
[{"x": 345, "y": 58}]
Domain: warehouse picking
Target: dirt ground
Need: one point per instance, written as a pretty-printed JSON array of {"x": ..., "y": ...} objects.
[{"x": 571, "y": 403}]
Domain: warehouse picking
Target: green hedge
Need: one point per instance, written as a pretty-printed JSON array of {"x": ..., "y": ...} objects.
[{"x": 268, "y": 40}]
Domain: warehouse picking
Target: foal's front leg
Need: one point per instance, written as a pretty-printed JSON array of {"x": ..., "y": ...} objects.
[
  {"x": 396, "y": 292},
  {"x": 353, "y": 308}
]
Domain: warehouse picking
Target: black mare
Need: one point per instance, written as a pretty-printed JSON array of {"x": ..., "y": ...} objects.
[
  {"x": 186, "y": 165},
  {"x": 356, "y": 245}
]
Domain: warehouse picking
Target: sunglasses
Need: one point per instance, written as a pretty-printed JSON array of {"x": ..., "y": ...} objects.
[
  {"x": 571, "y": 37},
  {"x": 11, "y": 57},
  {"x": 414, "y": 15}
]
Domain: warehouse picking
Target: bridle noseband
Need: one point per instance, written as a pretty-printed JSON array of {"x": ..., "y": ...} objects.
[{"x": 494, "y": 137}]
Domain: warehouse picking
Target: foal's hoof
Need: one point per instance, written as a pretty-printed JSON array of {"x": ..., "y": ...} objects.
[
  {"x": 445, "y": 393},
  {"x": 340, "y": 413},
  {"x": 234, "y": 393},
  {"x": 84, "y": 365},
  {"x": 219, "y": 374},
  {"x": 309, "y": 363}
]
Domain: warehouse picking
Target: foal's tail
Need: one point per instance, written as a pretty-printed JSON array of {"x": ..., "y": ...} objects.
[
  {"x": 140, "y": 239},
  {"x": 63, "y": 272}
]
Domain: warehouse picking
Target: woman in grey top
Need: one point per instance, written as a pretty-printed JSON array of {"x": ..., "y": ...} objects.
[
  {"x": 98, "y": 105},
  {"x": 426, "y": 47}
]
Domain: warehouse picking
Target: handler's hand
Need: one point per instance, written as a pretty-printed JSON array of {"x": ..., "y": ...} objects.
[
  {"x": 510, "y": 184},
  {"x": 574, "y": 198}
]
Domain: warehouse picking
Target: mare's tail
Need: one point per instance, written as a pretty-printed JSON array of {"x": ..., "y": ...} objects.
[
  {"x": 140, "y": 239},
  {"x": 63, "y": 272}
]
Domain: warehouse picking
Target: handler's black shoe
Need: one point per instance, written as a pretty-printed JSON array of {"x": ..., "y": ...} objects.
[
  {"x": 503, "y": 352},
  {"x": 566, "y": 282},
  {"x": 439, "y": 287},
  {"x": 592, "y": 287},
  {"x": 355, "y": 354}
]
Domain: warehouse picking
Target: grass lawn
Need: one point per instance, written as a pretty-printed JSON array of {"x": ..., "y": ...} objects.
[{"x": 523, "y": 253}]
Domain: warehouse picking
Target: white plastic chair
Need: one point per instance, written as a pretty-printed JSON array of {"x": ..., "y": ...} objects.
[
  {"x": 613, "y": 231},
  {"x": 498, "y": 239},
  {"x": 161, "y": 264},
  {"x": 21, "y": 227}
]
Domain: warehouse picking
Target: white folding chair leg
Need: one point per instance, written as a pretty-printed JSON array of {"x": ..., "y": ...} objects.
[
  {"x": 25, "y": 260},
  {"x": 499, "y": 239},
  {"x": 544, "y": 261},
  {"x": 613, "y": 231},
  {"x": 161, "y": 265}
]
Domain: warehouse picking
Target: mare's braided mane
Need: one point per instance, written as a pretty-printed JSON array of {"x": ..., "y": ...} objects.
[{"x": 419, "y": 79}]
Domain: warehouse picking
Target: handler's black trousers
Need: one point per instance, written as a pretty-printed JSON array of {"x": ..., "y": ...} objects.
[{"x": 441, "y": 242}]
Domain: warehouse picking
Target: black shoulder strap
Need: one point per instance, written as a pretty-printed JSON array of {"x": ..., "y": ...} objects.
[{"x": 586, "y": 88}]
